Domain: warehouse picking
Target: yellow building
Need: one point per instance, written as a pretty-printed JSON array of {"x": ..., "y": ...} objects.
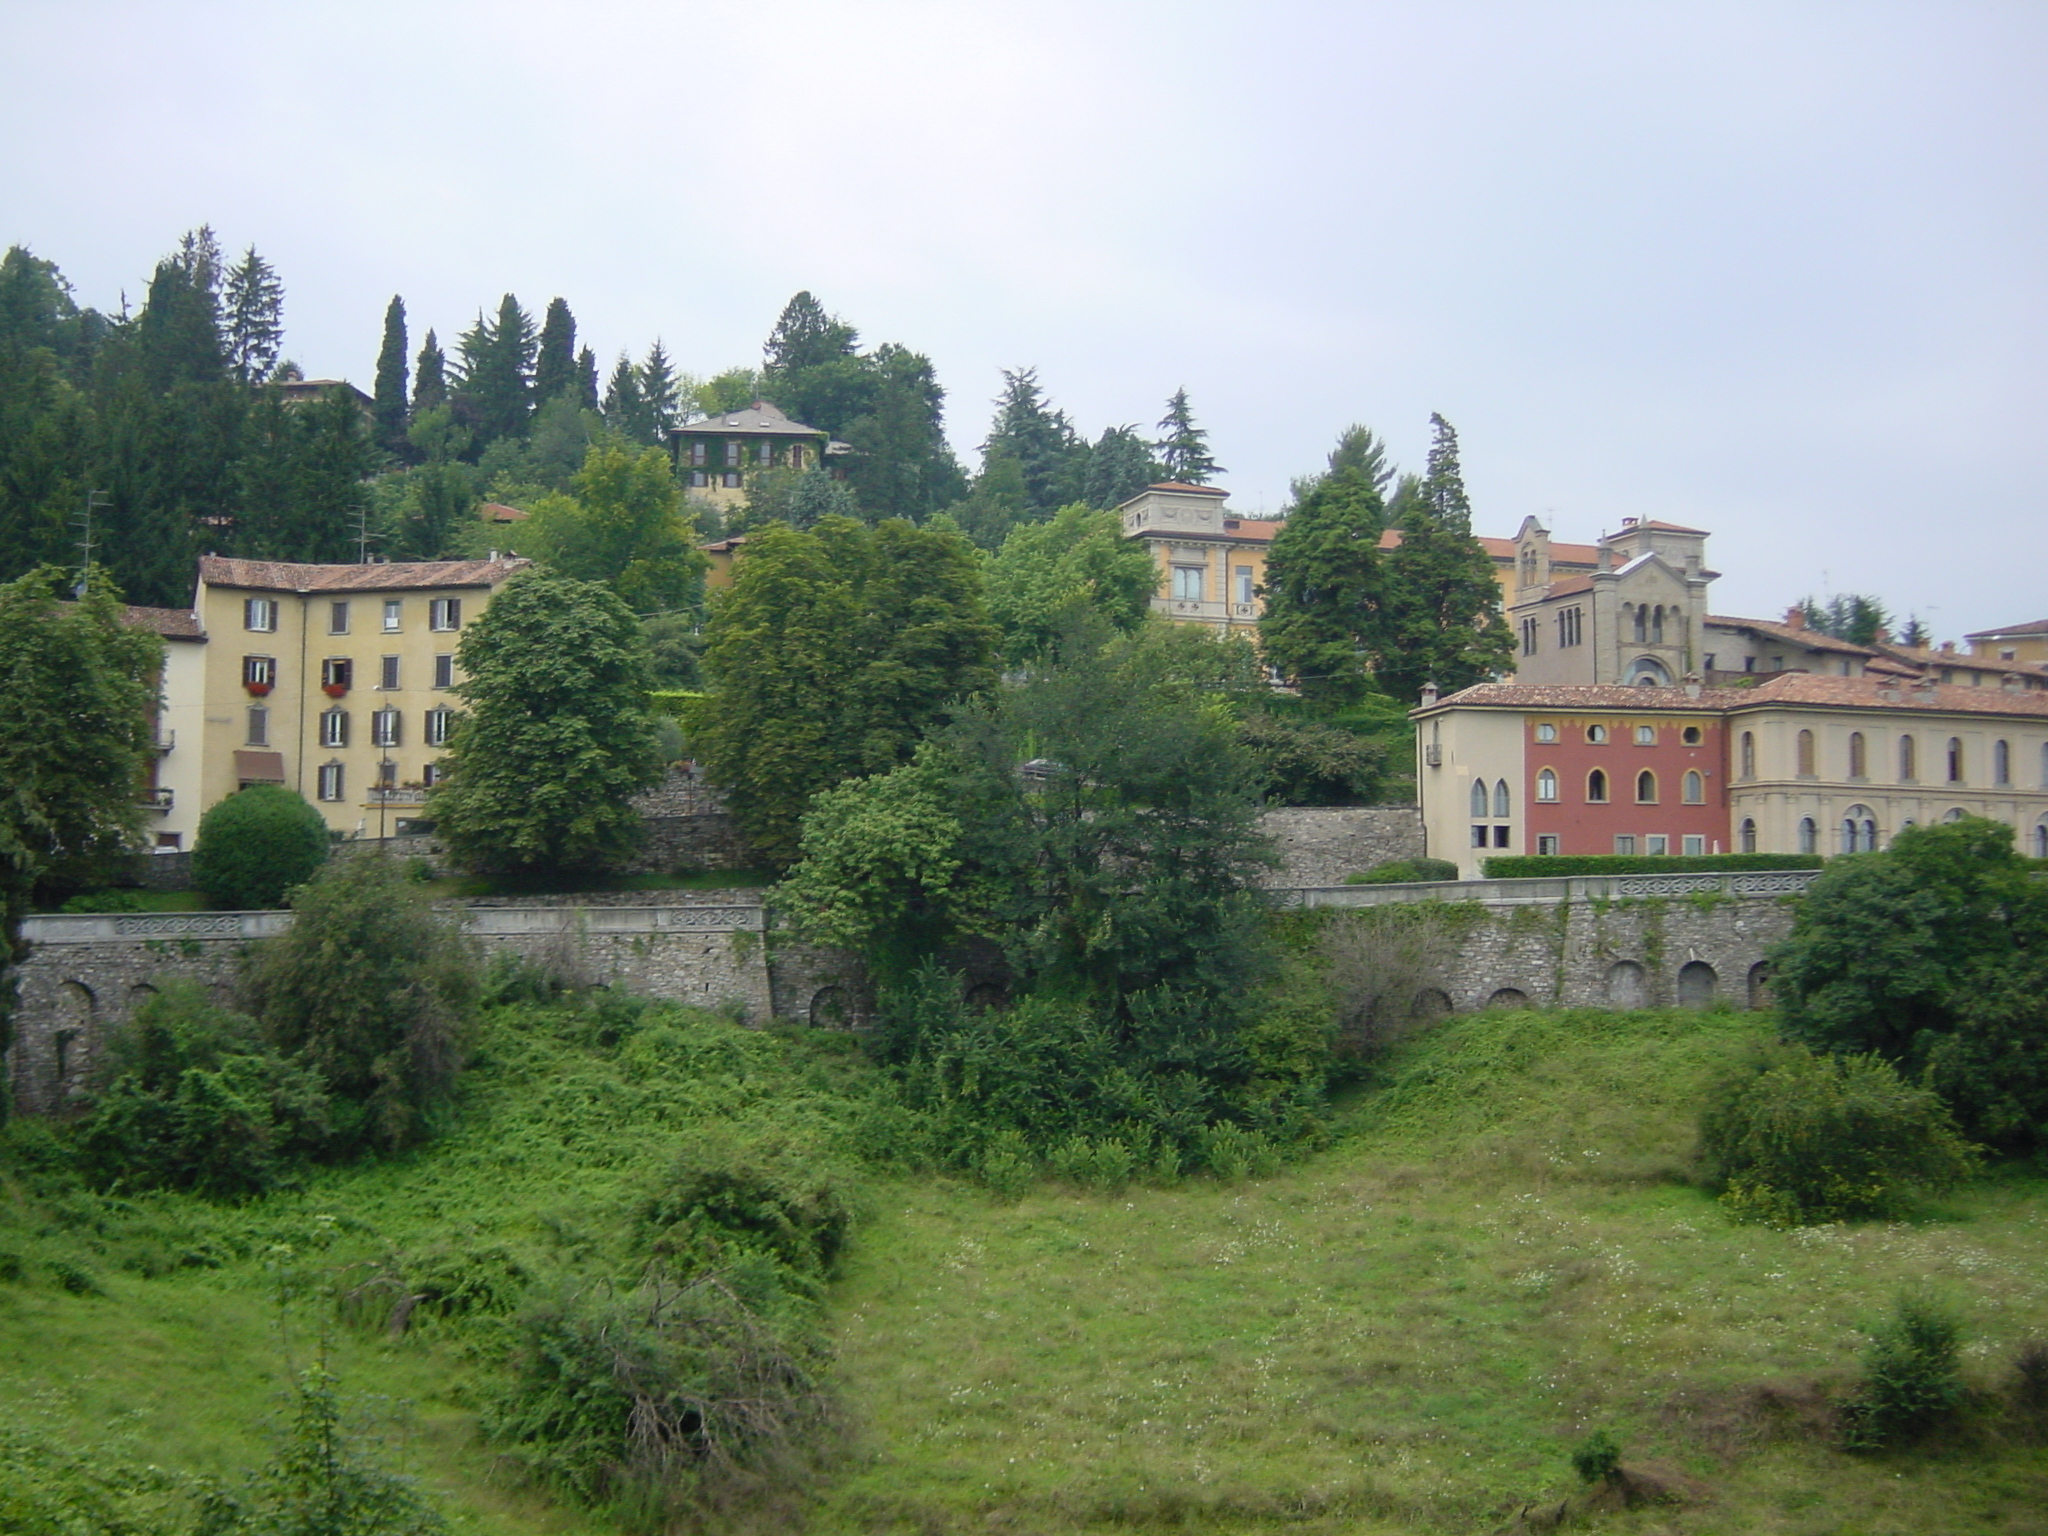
[
  {"x": 2016, "y": 642},
  {"x": 715, "y": 456},
  {"x": 1211, "y": 564},
  {"x": 333, "y": 680}
]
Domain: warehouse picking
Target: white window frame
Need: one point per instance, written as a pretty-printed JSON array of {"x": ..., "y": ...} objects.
[
  {"x": 259, "y": 615},
  {"x": 1694, "y": 845},
  {"x": 331, "y": 782},
  {"x": 394, "y": 615},
  {"x": 386, "y": 727},
  {"x": 444, "y": 614},
  {"x": 334, "y": 728},
  {"x": 1546, "y": 786},
  {"x": 440, "y": 721}
]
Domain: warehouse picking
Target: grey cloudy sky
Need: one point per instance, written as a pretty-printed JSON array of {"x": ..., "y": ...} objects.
[{"x": 1772, "y": 269}]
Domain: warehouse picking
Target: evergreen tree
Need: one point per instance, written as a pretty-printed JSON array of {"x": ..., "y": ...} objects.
[
  {"x": 1040, "y": 439},
  {"x": 1184, "y": 447},
  {"x": 1441, "y": 620},
  {"x": 805, "y": 337},
  {"x": 1357, "y": 449},
  {"x": 626, "y": 410},
  {"x": 1119, "y": 466},
  {"x": 1852, "y": 616},
  {"x": 902, "y": 464},
  {"x": 658, "y": 392},
  {"x": 301, "y": 492},
  {"x": 554, "y": 365},
  {"x": 495, "y": 398},
  {"x": 389, "y": 405},
  {"x": 1324, "y": 591},
  {"x": 255, "y": 318},
  {"x": 585, "y": 379},
  {"x": 995, "y": 503},
  {"x": 429, "y": 378},
  {"x": 199, "y": 257}
]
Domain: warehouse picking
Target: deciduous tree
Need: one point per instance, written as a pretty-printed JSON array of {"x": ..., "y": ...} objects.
[
  {"x": 623, "y": 526},
  {"x": 1324, "y": 590},
  {"x": 1048, "y": 575}
]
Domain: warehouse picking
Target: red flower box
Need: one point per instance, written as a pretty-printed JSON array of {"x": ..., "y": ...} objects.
[
  {"x": 334, "y": 690},
  {"x": 257, "y": 690}
]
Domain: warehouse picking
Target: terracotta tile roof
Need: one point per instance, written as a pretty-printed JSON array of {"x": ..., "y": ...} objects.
[
  {"x": 1671, "y": 528},
  {"x": 1570, "y": 696},
  {"x": 1922, "y": 657},
  {"x": 1570, "y": 586},
  {"x": 1248, "y": 530},
  {"x": 1502, "y": 551},
  {"x": 171, "y": 623},
  {"x": 1185, "y": 489},
  {"x": 498, "y": 512},
  {"x": 278, "y": 576},
  {"x": 1782, "y": 688},
  {"x": 1805, "y": 639},
  {"x": 2037, "y": 627}
]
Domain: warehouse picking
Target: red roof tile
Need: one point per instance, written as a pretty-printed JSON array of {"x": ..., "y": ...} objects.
[
  {"x": 171, "y": 623},
  {"x": 1805, "y": 639},
  {"x": 279, "y": 576}
]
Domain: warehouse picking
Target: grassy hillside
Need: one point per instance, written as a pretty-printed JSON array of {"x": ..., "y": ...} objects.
[{"x": 1408, "y": 1332}]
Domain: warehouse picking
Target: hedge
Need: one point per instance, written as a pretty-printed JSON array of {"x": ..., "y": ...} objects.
[
  {"x": 1405, "y": 871},
  {"x": 1543, "y": 865}
]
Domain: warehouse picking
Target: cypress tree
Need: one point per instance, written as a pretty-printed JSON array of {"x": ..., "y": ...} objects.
[
  {"x": 430, "y": 378},
  {"x": 554, "y": 366},
  {"x": 389, "y": 404},
  {"x": 586, "y": 379}
]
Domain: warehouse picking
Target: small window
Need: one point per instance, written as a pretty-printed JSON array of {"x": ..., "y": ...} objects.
[
  {"x": 259, "y": 672},
  {"x": 1624, "y": 843},
  {"x": 1646, "y": 788},
  {"x": 337, "y": 618},
  {"x": 1478, "y": 837},
  {"x": 445, "y": 613},
  {"x": 1908, "y": 761},
  {"x": 1546, "y": 786},
  {"x": 2001, "y": 762},
  {"x": 730, "y": 479},
  {"x": 734, "y": 449},
  {"x": 330, "y": 781},
  {"x": 334, "y": 728},
  {"x": 1546, "y": 842},
  {"x": 260, "y": 615},
  {"x": 432, "y": 774},
  {"x": 259, "y": 726},
  {"x": 387, "y": 672},
  {"x": 1749, "y": 754},
  {"x": 394, "y": 609},
  {"x": 337, "y": 674},
  {"x": 1646, "y": 735},
  {"x": 1693, "y": 845},
  {"x": 1809, "y": 835},
  {"x": 387, "y": 774},
  {"x": 1804, "y": 748},
  {"x": 1858, "y": 764},
  {"x": 767, "y": 454},
  {"x": 1500, "y": 837},
  {"x": 384, "y": 728},
  {"x": 1695, "y": 789},
  {"x": 1479, "y": 799},
  {"x": 1244, "y": 583},
  {"x": 1596, "y": 733},
  {"x": 1501, "y": 801},
  {"x": 1955, "y": 760},
  {"x": 439, "y": 723},
  {"x": 444, "y": 670},
  {"x": 1187, "y": 583},
  {"x": 700, "y": 452},
  {"x": 1546, "y": 732},
  {"x": 1745, "y": 839},
  {"x": 699, "y": 479},
  {"x": 1691, "y": 734},
  {"x": 1657, "y": 843},
  {"x": 1596, "y": 787}
]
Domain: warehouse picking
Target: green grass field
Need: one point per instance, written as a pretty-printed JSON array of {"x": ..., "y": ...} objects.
[{"x": 1405, "y": 1332}]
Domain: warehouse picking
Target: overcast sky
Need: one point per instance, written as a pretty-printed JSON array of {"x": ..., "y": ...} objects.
[{"x": 1774, "y": 270}]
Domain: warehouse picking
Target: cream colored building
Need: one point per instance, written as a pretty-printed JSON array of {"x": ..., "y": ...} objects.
[
  {"x": 333, "y": 680},
  {"x": 1211, "y": 564}
]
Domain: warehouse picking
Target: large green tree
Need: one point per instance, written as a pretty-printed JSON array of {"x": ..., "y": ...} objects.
[
  {"x": 556, "y": 739},
  {"x": 1041, "y": 440},
  {"x": 77, "y": 692},
  {"x": 253, "y": 312},
  {"x": 830, "y": 656},
  {"x": 1358, "y": 448},
  {"x": 554, "y": 364},
  {"x": 1183, "y": 447},
  {"x": 624, "y": 526},
  {"x": 1933, "y": 954},
  {"x": 1047, "y": 575},
  {"x": 1119, "y": 466},
  {"x": 495, "y": 398},
  {"x": 1324, "y": 590},
  {"x": 1441, "y": 621}
]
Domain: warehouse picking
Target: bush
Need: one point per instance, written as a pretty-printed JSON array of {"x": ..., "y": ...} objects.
[
  {"x": 1597, "y": 1458},
  {"x": 255, "y": 846},
  {"x": 1305, "y": 762},
  {"x": 768, "y": 1194},
  {"x": 374, "y": 990},
  {"x": 1404, "y": 871},
  {"x": 1797, "y": 1138},
  {"x": 1910, "y": 1380},
  {"x": 191, "y": 1098},
  {"x": 1530, "y": 866},
  {"x": 1382, "y": 967}
]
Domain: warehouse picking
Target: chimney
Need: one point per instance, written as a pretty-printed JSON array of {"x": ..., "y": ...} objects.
[
  {"x": 1692, "y": 685},
  {"x": 1795, "y": 617},
  {"x": 1429, "y": 694},
  {"x": 1948, "y": 647},
  {"x": 1884, "y": 636}
]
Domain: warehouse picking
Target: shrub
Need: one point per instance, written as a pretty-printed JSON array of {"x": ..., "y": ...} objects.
[
  {"x": 1910, "y": 1381},
  {"x": 189, "y": 1097},
  {"x": 255, "y": 846},
  {"x": 1380, "y": 966},
  {"x": 1597, "y": 1458},
  {"x": 374, "y": 990},
  {"x": 103, "y": 901},
  {"x": 1797, "y": 1137},
  {"x": 1306, "y": 762},
  {"x": 1404, "y": 871},
  {"x": 768, "y": 1194}
]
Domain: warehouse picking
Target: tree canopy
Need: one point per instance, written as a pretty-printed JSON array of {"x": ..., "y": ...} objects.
[
  {"x": 1324, "y": 590},
  {"x": 1048, "y": 574},
  {"x": 624, "y": 526}
]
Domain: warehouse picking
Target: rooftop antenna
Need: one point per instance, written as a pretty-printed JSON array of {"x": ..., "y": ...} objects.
[
  {"x": 83, "y": 523},
  {"x": 363, "y": 531}
]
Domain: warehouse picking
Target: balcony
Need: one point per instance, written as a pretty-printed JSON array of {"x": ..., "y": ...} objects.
[
  {"x": 154, "y": 799},
  {"x": 164, "y": 741},
  {"x": 397, "y": 794}
]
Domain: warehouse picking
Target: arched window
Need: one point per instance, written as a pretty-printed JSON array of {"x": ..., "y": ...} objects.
[
  {"x": 1746, "y": 838},
  {"x": 1805, "y": 759},
  {"x": 1909, "y": 760},
  {"x": 1955, "y": 759},
  {"x": 1479, "y": 799},
  {"x": 1646, "y": 788},
  {"x": 1657, "y": 625},
  {"x": 1546, "y": 785},
  {"x": 2001, "y": 762},
  {"x": 2041, "y": 841},
  {"x": 1500, "y": 800},
  {"x": 1749, "y": 754},
  {"x": 1642, "y": 623},
  {"x": 1953, "y": 813},
  {"x": 1695, "y": 788},
  {"x": 1596, "y": 787},
  {"x": 1859, "y": 830},
  {"x": 1858, "y": 766},
  {"x": 2044, "y": 765},
  {"x": 1809, "y": 835},
  {"x": 1649, "y": 672}
]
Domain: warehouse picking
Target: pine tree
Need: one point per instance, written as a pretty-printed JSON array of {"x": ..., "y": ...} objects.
[
  {"x": 805, "y": 337},
  {"x": 199, "y": 258},
  {"x": 902, "y": 464},
  {"x": 1040, "y": 439},
  {"x": 658, "y": 392},
  {"x": 255, "y": 318},
  {"x": 1324, "y": 590},
  {"x": 429, "y": 378},
  {"x": 1184, "y": 447},
  {"x": 495, "y": 399},
  {"x": 1119, "y": 466},
  {"x": 554, "y": 367},
  {"x": 389, "y": 404},
  {"x": 1359, "y": 449},
  {"x": 1441, "y": 621},
  {"x": 625, "y": 409},
  {"x": 585, "y": 379}
]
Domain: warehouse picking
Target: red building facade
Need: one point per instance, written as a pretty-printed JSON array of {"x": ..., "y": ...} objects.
[{"x": 1626, "y": 781}]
